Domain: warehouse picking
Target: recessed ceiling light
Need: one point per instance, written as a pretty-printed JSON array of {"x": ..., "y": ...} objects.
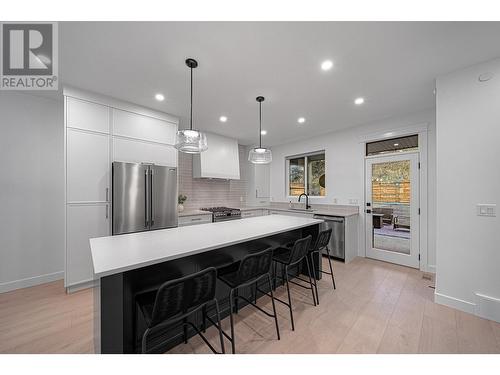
[
  {"x": 359, "y": 101},
  {"x": 301, "y": 120},
  {"x": 396, "y": 144},
  {"x": 159, "y": 97},
  {"x": 223, "y": 119},
  {"x": 263, "y": 132},
  {"x": 327, "y": 65}
]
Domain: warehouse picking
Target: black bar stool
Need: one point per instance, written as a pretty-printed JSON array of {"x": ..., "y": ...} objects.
[
  {"x": 175, "y": 300},
  {"x": 322, "y": 244},
  {"x": 252, "y": 268},
  {"x": 289, "y": 257}
]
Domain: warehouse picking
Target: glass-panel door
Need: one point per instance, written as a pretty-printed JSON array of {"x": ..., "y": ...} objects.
[{"x": 392, "y": 209}]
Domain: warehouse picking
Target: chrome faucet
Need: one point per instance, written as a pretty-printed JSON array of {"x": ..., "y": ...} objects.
[{"x": 307, "y": 200}]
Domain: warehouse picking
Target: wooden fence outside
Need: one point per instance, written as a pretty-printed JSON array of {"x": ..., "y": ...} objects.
[{"x": 384, "y": 192}]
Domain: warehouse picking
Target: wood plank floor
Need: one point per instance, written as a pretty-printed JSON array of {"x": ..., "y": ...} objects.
[{"x": 377, "y": 308}]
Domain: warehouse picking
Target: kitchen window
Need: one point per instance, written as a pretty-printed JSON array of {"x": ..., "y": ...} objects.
[{"x": 306, "y": 174}]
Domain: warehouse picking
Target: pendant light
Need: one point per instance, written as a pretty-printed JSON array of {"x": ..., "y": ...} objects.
[
  {"x": 259, "y": 155},
  {"x": 188, "y": 140}
]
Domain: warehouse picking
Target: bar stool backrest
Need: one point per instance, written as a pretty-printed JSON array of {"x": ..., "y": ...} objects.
[
  {"x": 300, "y": 249},
  {"x": 323, "y": 239},
  {"x": 254, "y": 265},
  {"x": 179, "y": 295}
]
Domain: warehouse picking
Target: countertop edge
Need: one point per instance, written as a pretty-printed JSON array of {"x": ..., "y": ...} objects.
[{"x": 100, "y": 274}]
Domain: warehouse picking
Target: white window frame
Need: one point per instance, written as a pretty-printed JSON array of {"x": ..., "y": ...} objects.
[{"x": 287, "y": 174}]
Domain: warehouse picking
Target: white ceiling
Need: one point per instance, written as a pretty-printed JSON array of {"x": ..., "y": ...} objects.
[{"x": 392, "y": 65}]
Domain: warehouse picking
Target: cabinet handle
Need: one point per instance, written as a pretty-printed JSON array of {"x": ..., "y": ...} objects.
[
  {"x": 107, "y": 211},
  {"x": 256, "y": 193},
  {"x": 196, "y": 219},
  {"x": 107, "y": 194}
]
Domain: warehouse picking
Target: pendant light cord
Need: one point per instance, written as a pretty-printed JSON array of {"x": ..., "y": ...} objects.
[
  {"x": 191, "y": 118},
  {"x": 260, "y": 124}
]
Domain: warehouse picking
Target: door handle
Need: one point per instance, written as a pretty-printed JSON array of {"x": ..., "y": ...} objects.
[
  {"x": 151, "y": 196},
  {"x": 145, "y": 200},
  {"x": 368, "y": 211}
]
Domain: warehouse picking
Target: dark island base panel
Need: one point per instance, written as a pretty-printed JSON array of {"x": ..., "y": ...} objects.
[{"x": 118, "y": 315}]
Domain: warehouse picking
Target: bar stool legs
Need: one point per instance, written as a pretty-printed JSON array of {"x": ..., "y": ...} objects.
[
  {"x": 289, "y": 298},
  {"x": 321, "y": 270},
  {"x": 331, "y": 268},
  {"x": 311, "y": 254},
  {"x": 310, "y": 280},
  {"x": 233, "y": 300},
  {"x": 274, "y": 305},
  {"x": 287, "y": 281},
  {"x": 231, "y": 304}
]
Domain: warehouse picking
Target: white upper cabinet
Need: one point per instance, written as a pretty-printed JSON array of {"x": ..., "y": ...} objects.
[
  {"x": 221, "y": 160},
  {"x": 86, "y": 115},
  {"x": 132, "y": 125},
  {"x": 88, "y": 167},
  {"x": 259, "y": 183},
  {"x": 262, "y": 180},
  {"x": 131, "y": 151}
]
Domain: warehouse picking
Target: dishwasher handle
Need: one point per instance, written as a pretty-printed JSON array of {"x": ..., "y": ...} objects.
[{"x": 330, "y": 218}]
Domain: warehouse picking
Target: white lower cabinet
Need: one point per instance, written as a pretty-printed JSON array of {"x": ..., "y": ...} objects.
[
  {"x": 194, "y": 219},
  {"x": 83, "y": 222}
]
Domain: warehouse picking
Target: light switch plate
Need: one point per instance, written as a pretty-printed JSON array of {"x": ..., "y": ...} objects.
[{"x": 486, "y": 209}]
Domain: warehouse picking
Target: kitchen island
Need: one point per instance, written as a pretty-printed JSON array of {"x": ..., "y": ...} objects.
[{"x": 132, "y": 263}]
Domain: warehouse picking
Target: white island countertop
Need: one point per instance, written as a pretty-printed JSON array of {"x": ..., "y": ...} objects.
[{"x": 115, "y": 254}]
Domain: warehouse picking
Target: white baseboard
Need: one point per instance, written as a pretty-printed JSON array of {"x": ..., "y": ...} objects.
[
  {"x": 31, "y": 281},
  {"x": 487, "y": 307},
  {"x": 455, "y": 303},
  {"x": 431, "y": 268},
  {"x": 81, "y": 286}
]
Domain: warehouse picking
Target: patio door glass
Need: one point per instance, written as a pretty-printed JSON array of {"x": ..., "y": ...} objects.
[{"x": 392, "y": 216}]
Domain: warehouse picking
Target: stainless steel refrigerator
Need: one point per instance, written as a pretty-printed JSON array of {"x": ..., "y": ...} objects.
[{"x": 144, "y": 197}]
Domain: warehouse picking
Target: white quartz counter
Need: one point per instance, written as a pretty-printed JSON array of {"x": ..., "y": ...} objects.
[{"x": 115, "y": 254}]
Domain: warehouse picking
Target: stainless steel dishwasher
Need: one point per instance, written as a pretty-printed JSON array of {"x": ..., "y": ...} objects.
[{"x": 337, "y": 241}]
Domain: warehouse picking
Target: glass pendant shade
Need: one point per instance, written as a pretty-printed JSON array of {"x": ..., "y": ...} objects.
[
  {"x": 191, "y": 141},
  {"x": 259, "y": 155}
]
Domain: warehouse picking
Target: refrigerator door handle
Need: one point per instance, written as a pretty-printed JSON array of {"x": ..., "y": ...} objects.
[
  {"x": 151, "y": 196},
  {"x": 146, "y": 221}
]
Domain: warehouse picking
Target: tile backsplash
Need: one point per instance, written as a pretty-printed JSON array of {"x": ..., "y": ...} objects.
[{"x": 204, "y": 192}]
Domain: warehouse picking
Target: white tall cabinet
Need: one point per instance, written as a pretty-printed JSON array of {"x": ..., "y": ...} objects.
[
  {"x": 98, "y": 131},
  {"x": 259, "y": 184}
]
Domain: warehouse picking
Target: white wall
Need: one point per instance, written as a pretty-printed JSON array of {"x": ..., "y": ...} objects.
[
  {"x": 468, "y": 173},
  {"x": 344, "y": 152},
  {"x": 31, "y": 190}
]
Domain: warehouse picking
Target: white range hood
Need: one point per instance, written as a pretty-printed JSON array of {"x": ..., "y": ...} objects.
[{"x": 221, "y": 160}]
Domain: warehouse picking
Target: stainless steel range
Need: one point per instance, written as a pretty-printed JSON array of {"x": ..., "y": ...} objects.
[{"x": 223, "y": 213}]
